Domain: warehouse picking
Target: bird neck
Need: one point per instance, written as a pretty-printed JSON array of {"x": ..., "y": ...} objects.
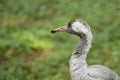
[
  {"x": 79, "y": 55},
  {"x": 78, "y": 63},
  {"x": 84, "y": 45}
]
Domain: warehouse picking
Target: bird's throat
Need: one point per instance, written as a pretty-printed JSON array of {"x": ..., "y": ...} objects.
[
  {"x": 82, "y": 48},
  {"x": 78, "y": 59}
]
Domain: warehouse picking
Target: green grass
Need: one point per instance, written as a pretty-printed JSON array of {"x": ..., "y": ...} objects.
[{"x": 28, "y": 51}]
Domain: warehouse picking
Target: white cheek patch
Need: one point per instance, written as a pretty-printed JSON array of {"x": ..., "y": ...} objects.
[
  {"x": 76, "y": 26},
  {"x": 79, "y": 27}
]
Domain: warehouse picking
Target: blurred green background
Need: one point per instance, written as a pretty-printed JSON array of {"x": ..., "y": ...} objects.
[{"x": 28, "y": 51}]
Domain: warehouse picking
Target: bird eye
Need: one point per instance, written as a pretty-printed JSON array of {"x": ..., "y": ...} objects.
[{"x": 69, "y": 25}]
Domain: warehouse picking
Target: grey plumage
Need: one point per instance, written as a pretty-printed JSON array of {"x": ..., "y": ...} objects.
[{"x": 79, "y": 69}]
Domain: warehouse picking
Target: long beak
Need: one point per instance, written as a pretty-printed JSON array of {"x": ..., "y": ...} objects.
[{"x": 60, "y": 29}]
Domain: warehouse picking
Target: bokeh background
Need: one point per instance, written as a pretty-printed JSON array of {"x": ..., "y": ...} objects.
[{"x": 28, "y": 51}]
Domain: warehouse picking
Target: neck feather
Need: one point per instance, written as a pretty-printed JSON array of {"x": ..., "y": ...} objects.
[
  {"x": 78, "y": 62},
  {"x": 84, "y": 45}
]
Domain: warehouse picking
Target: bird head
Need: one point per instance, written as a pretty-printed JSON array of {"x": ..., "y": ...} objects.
[{"x": 76, "y": 27}]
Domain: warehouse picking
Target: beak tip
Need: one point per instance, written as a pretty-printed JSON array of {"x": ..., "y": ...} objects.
[{"x": 53, "y": 31}]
